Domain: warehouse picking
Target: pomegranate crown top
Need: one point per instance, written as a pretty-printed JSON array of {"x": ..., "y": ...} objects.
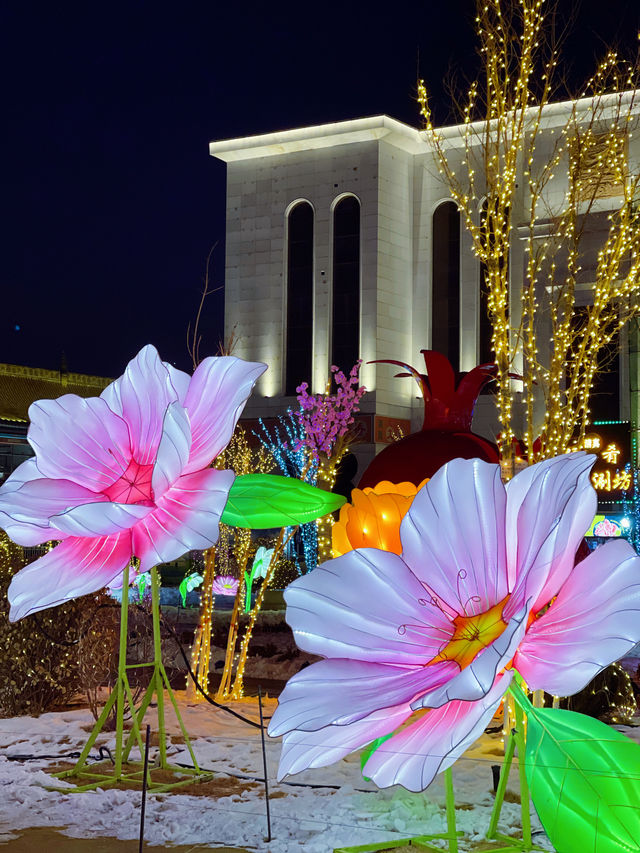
[{"x": 449, "y": 398}]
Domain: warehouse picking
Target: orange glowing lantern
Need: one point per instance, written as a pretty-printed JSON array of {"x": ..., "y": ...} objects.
[{"x": 372, "y": 519}]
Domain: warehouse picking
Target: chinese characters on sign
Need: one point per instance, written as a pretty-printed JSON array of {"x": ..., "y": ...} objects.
[
  {"x": 611, "y": 476},
  {"x": 604, "y": 481}
]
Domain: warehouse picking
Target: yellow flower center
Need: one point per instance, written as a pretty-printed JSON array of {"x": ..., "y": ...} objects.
[{"x": 472, "y": 634}]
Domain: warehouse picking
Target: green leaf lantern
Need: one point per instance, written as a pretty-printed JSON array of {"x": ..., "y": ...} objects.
[
  {"x": 264, "y": 501},
  {"x": 189, "y": 582},
  {"x": 259, "y": 569},
  {"x": 142, "y": 581},
  {"x": 585, "y": 782}
]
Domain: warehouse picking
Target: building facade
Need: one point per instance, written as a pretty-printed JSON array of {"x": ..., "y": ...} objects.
[{"x": 342, "y": 241}]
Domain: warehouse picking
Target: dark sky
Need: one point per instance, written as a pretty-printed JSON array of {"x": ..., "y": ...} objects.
[{"x": 110, "y": 200}]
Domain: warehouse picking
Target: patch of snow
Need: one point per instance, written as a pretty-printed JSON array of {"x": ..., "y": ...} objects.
[{"x": 310, "y": 819}]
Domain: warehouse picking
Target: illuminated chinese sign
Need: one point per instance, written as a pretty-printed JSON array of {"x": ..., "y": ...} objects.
[{"x": 611, "y": 476}]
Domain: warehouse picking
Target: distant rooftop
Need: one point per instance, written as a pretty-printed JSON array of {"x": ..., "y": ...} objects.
[{"x": 22, "y": 386}]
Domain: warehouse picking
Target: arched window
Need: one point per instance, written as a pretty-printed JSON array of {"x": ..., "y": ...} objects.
[
  {"x": 345, "y": 341},
  {"x": 299, "y": 332},
  {"x": 485, "y": 348},
  {"x": 445, "y": 317}
]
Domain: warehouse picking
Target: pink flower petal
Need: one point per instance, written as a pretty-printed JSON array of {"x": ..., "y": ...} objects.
[
  {"x": 550, "y": 505},
  {"x": 475, "y": 680},
  {"x": 368, "y": 606},
  {"x": 339, "y": 692},
  {"x": 453, "y": 536},
  {"x": 302, "y": 750},
  {"x": 178, "y": 378},
  {"x": 74, "y": 568},
  {"x": 99, "y": 519},
  {"x": 80, "y": 440},
  {"x": 414, "y": 756},
  {"x": 24, "y": 473},
  {"x": 26, "y": 508},
  {"x": 141, "y": 395},
  {"x": 180, "y": 381},
  {"x": 173, "y": 450},
  {"x": 217, "y": 394},
  {"x": 187, "y": 517},
  {"x": 594, "y": 621}
]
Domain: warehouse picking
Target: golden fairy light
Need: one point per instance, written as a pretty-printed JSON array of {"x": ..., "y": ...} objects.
[
  {"x": 240, "y": 457},
  {"x": 518, "y": 158}
]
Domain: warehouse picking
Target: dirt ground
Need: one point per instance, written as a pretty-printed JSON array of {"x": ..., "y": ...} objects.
[{"x": 54, "y": 842}]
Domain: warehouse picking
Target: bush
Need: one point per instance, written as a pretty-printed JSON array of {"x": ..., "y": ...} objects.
[
  {"x": 38, "y": 654},
  {"x": 609, "y": 697},
  {"x": 98, "y": 633},
  {"x": 284, "y": 573}
]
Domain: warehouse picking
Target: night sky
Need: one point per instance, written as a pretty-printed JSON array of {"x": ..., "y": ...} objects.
[{"x": 110, "y": 199}]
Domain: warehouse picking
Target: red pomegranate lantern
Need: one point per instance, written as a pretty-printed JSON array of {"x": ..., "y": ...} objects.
[{"x": 446, "y": 431}]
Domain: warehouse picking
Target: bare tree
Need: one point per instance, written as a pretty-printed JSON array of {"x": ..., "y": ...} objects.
[{"x": 528, "y": 170}]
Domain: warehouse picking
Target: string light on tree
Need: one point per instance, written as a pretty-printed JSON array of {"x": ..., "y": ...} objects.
[{"x": 516, "y": 149}]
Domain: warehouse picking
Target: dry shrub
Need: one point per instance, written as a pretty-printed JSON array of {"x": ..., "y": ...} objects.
[
  {"x": 98, "y": 633},
  {"x": 609, "y": 697},
  {"x": 284, "y": 573},
  {"x": 50, "y": 657},
  {"x": 98, "y": 650},
  {"x": 38, "y": 654}
]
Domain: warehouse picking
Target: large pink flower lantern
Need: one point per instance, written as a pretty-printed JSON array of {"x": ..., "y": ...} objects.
[
  {"x": 123, "y": 474},
  {"x": 438, "y": 626}
]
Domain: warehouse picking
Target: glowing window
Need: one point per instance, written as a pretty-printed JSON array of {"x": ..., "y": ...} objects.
[
  {"x": 299, "y": 331},
  {"x": 445, "y": 318},
  {"x": 345, "y": 341}
]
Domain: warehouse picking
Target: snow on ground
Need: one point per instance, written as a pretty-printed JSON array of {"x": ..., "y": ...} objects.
[{"x": 315, "y": 820}]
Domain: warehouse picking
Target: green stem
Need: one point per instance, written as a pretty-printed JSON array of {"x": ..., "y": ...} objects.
[
  {"x": 248, "y": 584},
  {"x": 122, "y": 671},
  {"x": 157, "y": 661},
  {"x": 451, "y": 811},
  {"x": 524, "y": 786},
  {"x": 523, "y": 709},
  {"x": 516, "y": 740},
  {"x": 518, "y": 693}
]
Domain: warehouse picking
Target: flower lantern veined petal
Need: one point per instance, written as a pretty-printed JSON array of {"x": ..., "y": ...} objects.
[
  {"x": 80, "y": 440},
  {"x": 435, "y": 626},
  {"x": 228, "y": 381},
  {"x": 126, "y": 474},
  {"x": 372, "y": 519},
  {"x": 75, "y": 567},
  {"x": 186, "y": 518}
]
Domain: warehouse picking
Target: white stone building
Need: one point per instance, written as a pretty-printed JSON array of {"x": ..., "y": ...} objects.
[{"x": 342, "y": 241}]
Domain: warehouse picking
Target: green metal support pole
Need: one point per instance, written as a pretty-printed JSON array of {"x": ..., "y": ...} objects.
[
  {"x": 125, "y": 770},
  {"x": 122, "y": 671},
  {"x": 451, "y": 811},
  {"x": 502, "y": 786},
  {"x": 157, "y": 661}
]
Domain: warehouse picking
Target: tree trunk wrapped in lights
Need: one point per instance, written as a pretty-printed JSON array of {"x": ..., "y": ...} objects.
[
  {"x": 242, "y": 459},
  {"x": 242, "y": 550},
  {"x": 517, "y": 149},
  {"x": 201, "y": 649},
  {"x": 234, "y": 664}
]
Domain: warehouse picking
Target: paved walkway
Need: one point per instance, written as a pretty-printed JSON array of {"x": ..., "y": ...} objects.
[{"x": 54, "y": 842}]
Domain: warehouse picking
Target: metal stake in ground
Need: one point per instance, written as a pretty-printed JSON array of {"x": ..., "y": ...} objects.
[
  {"x": 264, "y": 764},
  {"x": 144, "y": 787}
]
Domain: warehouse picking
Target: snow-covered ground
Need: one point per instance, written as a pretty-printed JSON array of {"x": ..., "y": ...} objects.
[{"x": 348, "y": 811}]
